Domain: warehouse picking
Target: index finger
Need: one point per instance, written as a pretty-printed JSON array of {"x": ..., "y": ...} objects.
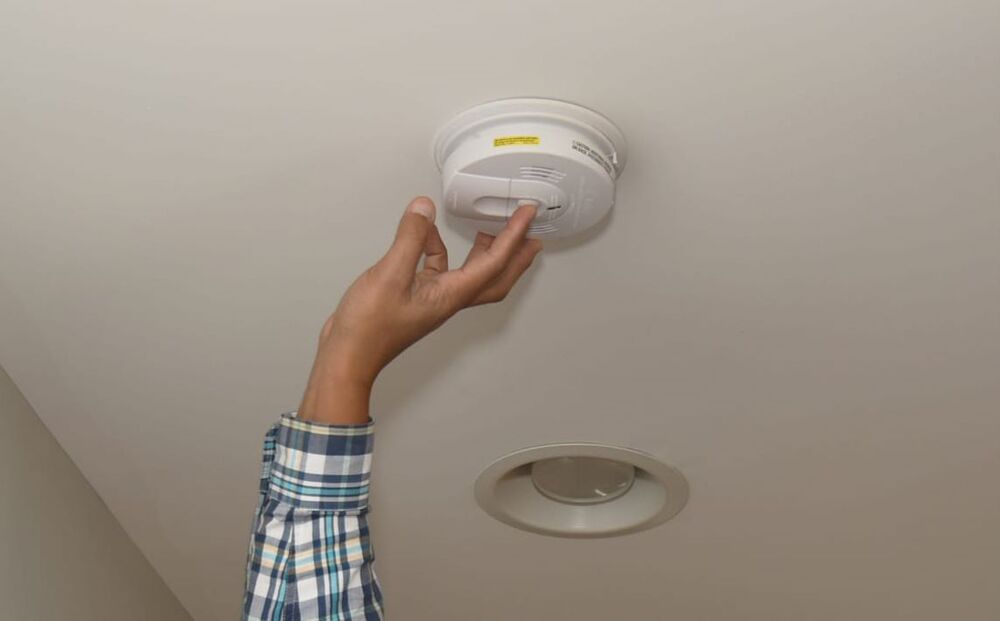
[{"x": 489, "y": 263}]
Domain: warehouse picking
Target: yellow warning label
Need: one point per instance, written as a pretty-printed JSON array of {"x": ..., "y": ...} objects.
[{"x": 507, "y": 141}]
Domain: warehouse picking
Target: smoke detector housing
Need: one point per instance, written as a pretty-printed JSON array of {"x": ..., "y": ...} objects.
[{"x": 559, "y": 156}]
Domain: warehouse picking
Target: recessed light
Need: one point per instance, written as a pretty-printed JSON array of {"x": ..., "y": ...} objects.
[
  {"x": 580, "y": 480},
  {"x": 581, "y": 490}
]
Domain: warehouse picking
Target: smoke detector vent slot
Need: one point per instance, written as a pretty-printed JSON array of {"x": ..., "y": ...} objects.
[
  {"x": 542, "y": 229},
  {"x": 542, "y": 173}
]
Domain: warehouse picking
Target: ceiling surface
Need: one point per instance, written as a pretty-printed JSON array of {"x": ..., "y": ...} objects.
[{"x": 796, "y": 300}]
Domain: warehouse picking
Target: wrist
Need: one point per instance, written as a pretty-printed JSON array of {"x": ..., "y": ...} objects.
[
  {"x": 345, "y": 365},
  {"x": 336, "y": 401}
]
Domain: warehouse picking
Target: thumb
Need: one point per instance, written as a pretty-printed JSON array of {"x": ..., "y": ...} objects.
[{"x": 402, "y": 258}]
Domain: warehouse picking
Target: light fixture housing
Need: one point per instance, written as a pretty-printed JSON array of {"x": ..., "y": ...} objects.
[
  {"x": 578, "y": 480},
  {"x": 561, "y": 157},
  {"x": 580, "y": 490}
]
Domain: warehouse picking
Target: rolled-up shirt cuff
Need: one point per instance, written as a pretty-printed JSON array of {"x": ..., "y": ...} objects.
[{"x": 321, "y": 467}]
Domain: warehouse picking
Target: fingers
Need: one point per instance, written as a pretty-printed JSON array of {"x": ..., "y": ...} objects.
[
  {"x": 480, "y": 245},
  {"x": 436, "y": 253},
  {"x": 490, "y": 257},
  {"x": 518, "y": 265},
  {"x": 411, "y": 238}
]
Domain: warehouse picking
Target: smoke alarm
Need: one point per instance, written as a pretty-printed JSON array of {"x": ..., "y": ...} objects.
[{"x": 559, "y": 156}]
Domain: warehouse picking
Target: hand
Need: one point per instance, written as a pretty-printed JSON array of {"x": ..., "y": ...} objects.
[{"x": 394, "y": 304}]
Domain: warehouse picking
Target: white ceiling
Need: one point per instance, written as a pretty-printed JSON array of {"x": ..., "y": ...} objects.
[{"x": 796, "y": 301}]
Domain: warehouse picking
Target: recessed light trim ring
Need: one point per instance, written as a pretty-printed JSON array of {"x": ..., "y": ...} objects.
[{"x": 506, "y": 491}]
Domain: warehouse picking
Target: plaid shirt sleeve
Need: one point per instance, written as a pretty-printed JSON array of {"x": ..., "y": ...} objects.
[{"x": 310, "y": 555}]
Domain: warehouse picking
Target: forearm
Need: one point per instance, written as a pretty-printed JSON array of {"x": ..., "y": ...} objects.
[{"x": 310, "y": 557}]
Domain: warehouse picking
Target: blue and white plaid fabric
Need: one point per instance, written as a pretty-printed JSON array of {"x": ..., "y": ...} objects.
[{"x": 310, "y": 554}]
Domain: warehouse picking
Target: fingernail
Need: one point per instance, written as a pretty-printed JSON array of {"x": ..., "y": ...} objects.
[
  {"x": 424, "y": 207},
  {"x": 531, "y": 206}
]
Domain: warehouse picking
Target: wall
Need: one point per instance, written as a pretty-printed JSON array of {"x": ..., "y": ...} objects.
[{"x": 62, "y": 554}]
